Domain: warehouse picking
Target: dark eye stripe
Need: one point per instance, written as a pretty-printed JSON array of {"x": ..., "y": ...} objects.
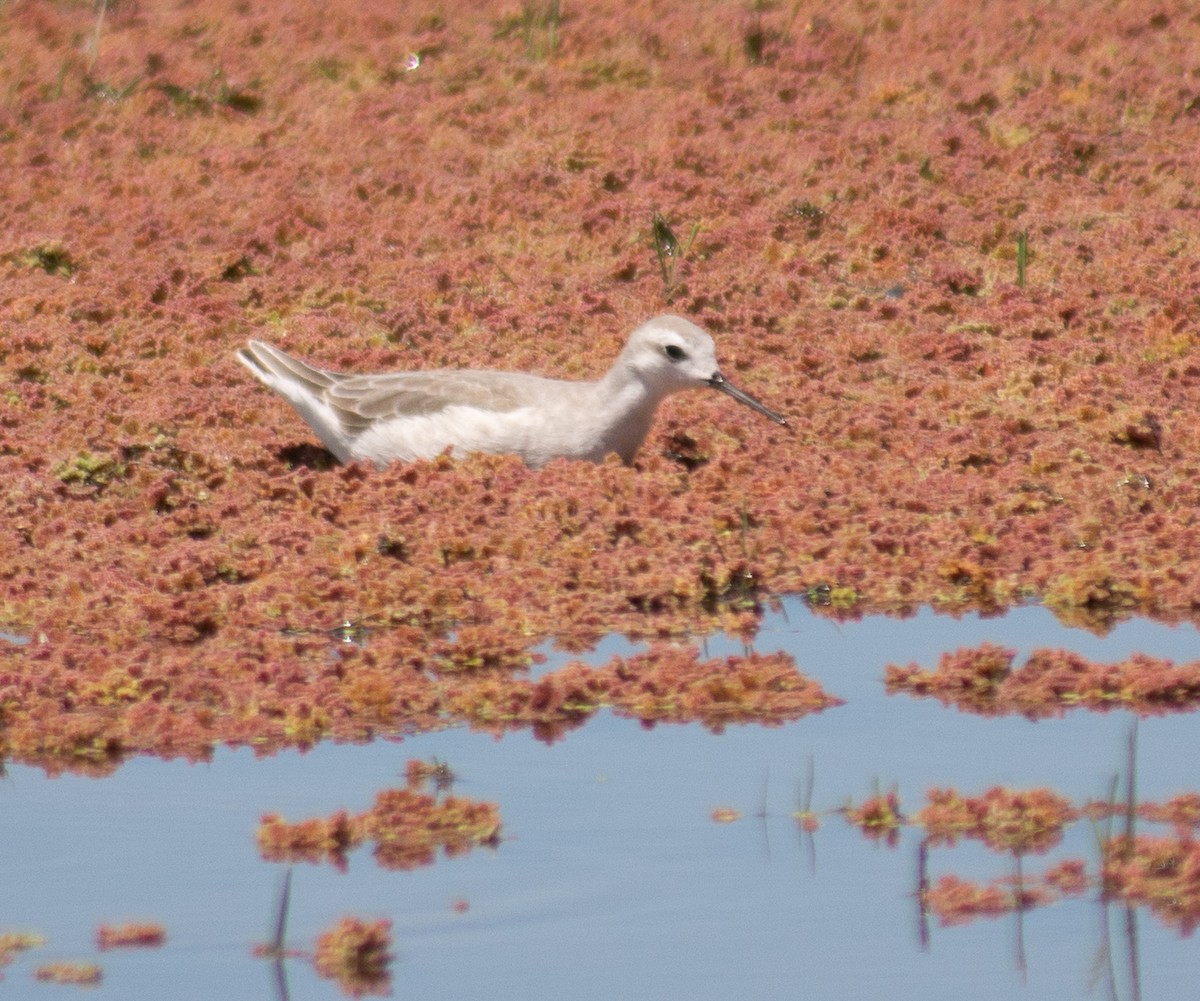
[{"x": 675, "y": 352}]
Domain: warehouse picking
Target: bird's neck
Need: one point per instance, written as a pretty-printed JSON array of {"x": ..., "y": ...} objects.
[{"x": 628, "y": 405}]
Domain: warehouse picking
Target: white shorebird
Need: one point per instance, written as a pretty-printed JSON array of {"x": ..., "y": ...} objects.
[{"x": 417, "y": 415}]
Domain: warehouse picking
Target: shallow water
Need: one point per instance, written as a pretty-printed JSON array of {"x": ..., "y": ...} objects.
[{"x": 612, "y": 880}]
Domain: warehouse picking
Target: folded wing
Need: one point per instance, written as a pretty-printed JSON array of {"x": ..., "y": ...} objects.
[{"x": 358, "y": 401}]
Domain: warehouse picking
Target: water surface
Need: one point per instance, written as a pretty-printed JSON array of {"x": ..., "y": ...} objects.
[{"x": 612, "y": 880}]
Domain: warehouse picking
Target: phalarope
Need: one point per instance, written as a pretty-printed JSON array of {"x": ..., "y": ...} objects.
[{"x": 411, "y": 415}]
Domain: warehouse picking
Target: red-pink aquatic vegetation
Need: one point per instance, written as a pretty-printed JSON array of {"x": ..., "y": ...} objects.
[
  {"x": 983, "y": 680},
  {"x": 140, "y": 935},
  {"x": 668, "y": 684},
  {"x": 407, "y": 827},
  {"x": 437, "y": 774},
  {"x": 966, "y": 678},
  {"x": 1182, "y": 812},
  {"x": 947, "y": 816},
  {"x": 312, "y": 840},
  {"x": 79, "y": 974},
  {"x": 1021, "y": 821},
  {"x": 14, "y": 942},
  {"x": 1006, "y": 820},
  {"x": 1161, "y": 872},
  {"x": 807, "y": 821},
  {"x": 377, "y": 188},
  {"x": 671, "y": 684},
  {"x": 357, "y": 954},
  {"x": 552, "y": 704},
  {"x": 879, "y": 817},
  {"x": 1068, "y": 877}
]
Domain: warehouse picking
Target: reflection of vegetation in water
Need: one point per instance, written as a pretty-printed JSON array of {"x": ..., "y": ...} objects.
[{"x": 1159, "y": 871}]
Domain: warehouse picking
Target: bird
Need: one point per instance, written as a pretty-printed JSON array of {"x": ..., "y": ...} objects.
[{"x": 404, "y": 416}]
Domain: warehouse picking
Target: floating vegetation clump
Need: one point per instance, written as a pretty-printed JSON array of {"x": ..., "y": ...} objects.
[
  {"x": 671, "y": 684},
  {"x": 406, "y": 826},
  {"x": 126, "y": 936},
  {"x": 668, "y": 684},
  {"x": 358, "y": 955},
  {"x": 982, "y": 680},
  {"x": 78, "y": 974},
  {"x": 878, "y": 817},
  {"x": 13, "y": 943},
  {"x": 1162, "y": 873},
  {"x": 1016, "y": 821},
  {"x": 312, "y": 840},
  {"x": 409, "y": 827},
  {"x": 1156, "y": 871}
]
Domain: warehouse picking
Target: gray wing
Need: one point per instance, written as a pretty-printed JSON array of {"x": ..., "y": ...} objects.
[
  {"x": 363, "y": 399},
  {"x": 360, "y": 400}
]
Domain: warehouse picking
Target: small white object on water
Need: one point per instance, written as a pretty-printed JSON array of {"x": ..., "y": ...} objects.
[{"x": 401, "y": 416}]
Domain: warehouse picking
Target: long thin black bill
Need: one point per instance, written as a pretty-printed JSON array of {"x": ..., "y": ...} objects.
[{"x": 718, "y": 382}]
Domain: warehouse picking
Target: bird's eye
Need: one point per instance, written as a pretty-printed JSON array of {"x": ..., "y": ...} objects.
[{"x": 674, "y": 352}]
